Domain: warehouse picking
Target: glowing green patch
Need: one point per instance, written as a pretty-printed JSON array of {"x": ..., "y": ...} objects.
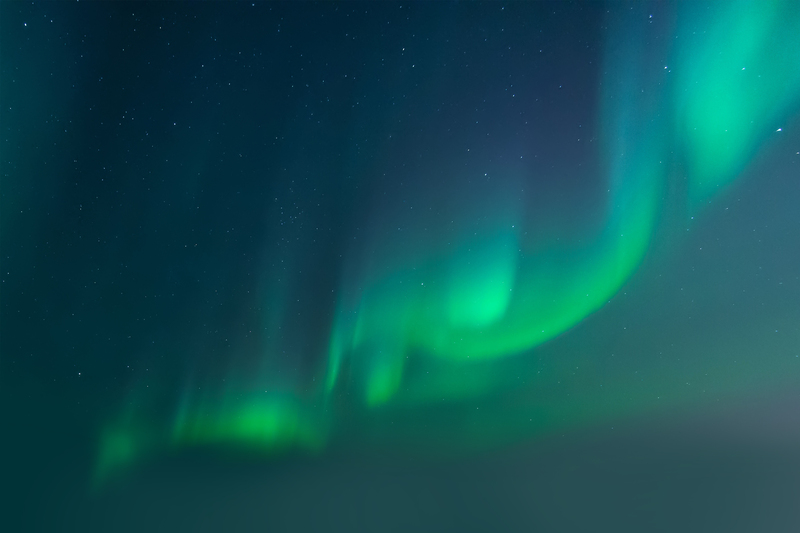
[
  {"x": 481, "y": 281},
  {"x": 267, "y": 424}
]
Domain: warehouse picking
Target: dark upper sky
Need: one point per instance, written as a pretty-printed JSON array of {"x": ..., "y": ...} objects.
[{"x": 394, "y": 266}]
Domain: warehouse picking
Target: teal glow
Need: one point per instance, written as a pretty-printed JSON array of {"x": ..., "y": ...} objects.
[{"x": 736, "y": 79}]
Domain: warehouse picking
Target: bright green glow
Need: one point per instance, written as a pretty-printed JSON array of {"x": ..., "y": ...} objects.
[
  {"x": 480, "y": 281},
  {"x": 735, "y": 81},
  {"x": 266, "y": 423},
  {"x": 439, "y": 323}
]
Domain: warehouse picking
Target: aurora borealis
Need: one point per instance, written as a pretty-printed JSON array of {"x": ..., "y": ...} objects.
[{"x": 271, "y": 230}]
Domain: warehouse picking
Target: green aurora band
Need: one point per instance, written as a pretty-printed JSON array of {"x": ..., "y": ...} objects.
[{"x": 444, "y": 320}]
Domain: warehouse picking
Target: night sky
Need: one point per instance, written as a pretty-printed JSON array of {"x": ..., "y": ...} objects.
[{"x": 400, "y": 266}]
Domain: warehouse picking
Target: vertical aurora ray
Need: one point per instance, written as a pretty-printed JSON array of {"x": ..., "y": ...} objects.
[{"x": 450, "y": 314}]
